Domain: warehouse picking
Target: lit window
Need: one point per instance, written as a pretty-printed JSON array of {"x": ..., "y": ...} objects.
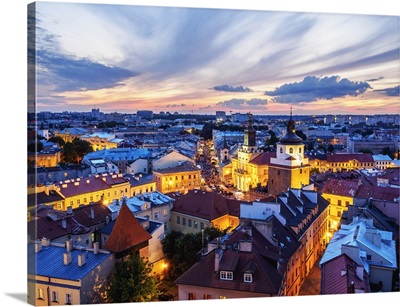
[
  {"x": 40, "y": 294},
  {"x": 281, "y": 150},
  {"x": 226, "y": 275},
  {"x": 165, "y": 212},
  {"x": 195, "y": 224},
  {"x": 248, "y": 277},
  {"x": 201, "y": 225},
  {"x": 291, "y": 150}
]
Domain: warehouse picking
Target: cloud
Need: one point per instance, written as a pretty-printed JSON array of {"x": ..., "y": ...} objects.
[
  {"x": 67, "y": 73},
  {"x": 229, "y": 88},
  {"x": 242, "y": 103},
  {"x": 375, "y": 79},
  {"x": 176, "y": 105},
  {"x": 314, "y": 88},
  {"x": 393, "y": 91}
]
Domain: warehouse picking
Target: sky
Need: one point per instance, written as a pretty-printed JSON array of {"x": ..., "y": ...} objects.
[{"x": 124, "y": 58}]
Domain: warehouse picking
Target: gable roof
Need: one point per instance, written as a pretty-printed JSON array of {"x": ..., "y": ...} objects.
[
  {"x": 337, "y": 273},
  {"x": 127, "y": 232},
  {"x": 267, "y": 278},
  {"x": 263, "y": 158},
  {"x": 206, "y": 205},
  {"x": 341, "y": 187},
  {"x": 345, "y": 157}
]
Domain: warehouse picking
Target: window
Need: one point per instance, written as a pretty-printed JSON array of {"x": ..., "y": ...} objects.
[
  {"x": 301, "y": 171},
  {"x": 40, "y": 294},
  {"x": 71, "y": 203},
  {"x": 85, "y": 200},
  {"x": 156, "y": 215},
  {"x": 291, "y": 150},
  {"x": 226, "y": 275},
  {"x": 68, "y": 299},
  {"x": 339, "y": 213},
  {"x": 222, "y": 297},
  {"x": 178, "y": 219},
  {"x": 281, "y": 150},
  {"x": 91, "y": 198},
  {"x": 54, "y": 296},
  {"x": 369, "y": 257},
  {"x": 248, "y": 277},
  {"x": 195, "y": 224},
  {"x": 190, "y": 176},
  {"x": 300, "y": 150},
  {"x": 347, "y": 203},
  {"x": 184, "y": 221},
  {"x": 78, "y": 202},
  {"x": 192, "y": 296},
  {"x": 190, "y": 223},
  {"x": 339, "y": 202},
  {"x": 201, "y": 225},
  {"x": 165, "y": 212}
]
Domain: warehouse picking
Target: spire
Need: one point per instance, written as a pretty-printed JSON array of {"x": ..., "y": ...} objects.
[{"x": 225, "y": 144}]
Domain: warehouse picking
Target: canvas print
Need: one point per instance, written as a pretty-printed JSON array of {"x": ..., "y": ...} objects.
[{"x": 181, "y": 154}]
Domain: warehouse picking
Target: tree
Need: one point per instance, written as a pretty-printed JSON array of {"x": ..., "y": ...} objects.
[
  {"x": 70, "y": 154},
  {"x": 35, "y": 147},
  {"x": 82, "y": 147},
  {"x": 57, "y": 139},
  {"x": 132, "y": 281},
  {"x": 388, "y": 151},
  {"x": 331, "y": 148},
  {"x": 301, "y": 134}
]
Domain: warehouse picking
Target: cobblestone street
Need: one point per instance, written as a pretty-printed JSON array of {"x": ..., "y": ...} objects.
[{"x": 311, "y": 285}]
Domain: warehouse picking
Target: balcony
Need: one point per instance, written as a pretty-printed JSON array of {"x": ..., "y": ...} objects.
[{"x": 241, "y": 171}]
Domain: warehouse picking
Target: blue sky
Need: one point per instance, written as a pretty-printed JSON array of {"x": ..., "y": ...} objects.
[{"x": 126, "y": 57}]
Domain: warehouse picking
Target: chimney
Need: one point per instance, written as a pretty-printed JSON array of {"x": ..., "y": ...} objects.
[
  {"x": 107, "y": 219},
  {"x": 218, "y": 256},
  {"x": 360, "y": 272},
  {"x": 245, "y": 246},
  {"x": 248, "y": 231},
  {"x": 95, "y": 248},
  {"x": 92, "y": 212},
  {"x": 68, "y": 245},
  {"x": 38, "y": 246},
  {"x": 69, "y": 210},
  {"x": 67, "y": 258},
  {"x": 64, "y": 223},
  {"x": 81, "y": 259},
  {"x": 45, "y": 241}
]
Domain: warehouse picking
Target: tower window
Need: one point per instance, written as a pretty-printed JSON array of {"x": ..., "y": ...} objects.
[
  {"x": 291, "y": 150},
  {"x": 281, "y": 150}
]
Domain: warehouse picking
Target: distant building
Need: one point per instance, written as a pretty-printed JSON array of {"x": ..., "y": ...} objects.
[
  {"x": 145, "y": 113},
  {"x": 47, "y": 157},
  {"x": 220, "y": 116},
  {"x": 376, "y": 146},
  {"x": 96, "y": 113}
]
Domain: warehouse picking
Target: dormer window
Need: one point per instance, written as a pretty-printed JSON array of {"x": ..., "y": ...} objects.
[
  {"x": 281, "y": 150},
  {"x": 226, "y": 275},
  {"x": 291, "y": 150},
  {"x": 248, "y": 277}
]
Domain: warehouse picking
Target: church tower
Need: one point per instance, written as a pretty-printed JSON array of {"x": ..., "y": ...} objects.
[
  {"x": 289, "y": 169},
  {"x": 249, "y": 141}
]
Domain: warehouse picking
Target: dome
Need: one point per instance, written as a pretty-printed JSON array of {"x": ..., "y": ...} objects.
[{"x": 291, "y": 137}]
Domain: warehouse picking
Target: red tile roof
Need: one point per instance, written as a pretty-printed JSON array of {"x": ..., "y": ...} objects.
[
  {"x": 338, "y": 273},
  {"x": 206, "y": 205},
  {"x": 127, "y": 232},
  {"x": 83, "y": 186},
  {"x": 267, "y": 278},
  {"x": 263, "y": 158},
  {"x": 361, "y": 157},
  {"x": 376, "y": 192},
  {"x": 341, "y": 187}
]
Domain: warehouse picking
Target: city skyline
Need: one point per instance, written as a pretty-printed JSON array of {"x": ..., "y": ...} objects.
[{"x": 122, "y": 58}]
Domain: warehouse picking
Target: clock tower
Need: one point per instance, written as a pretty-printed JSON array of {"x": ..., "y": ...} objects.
[{"x": 289, "y": 169}]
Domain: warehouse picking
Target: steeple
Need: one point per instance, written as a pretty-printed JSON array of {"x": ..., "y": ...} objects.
[
  {"x": 225, "y": 145},
  {"x": 290, "y": 137},
  {"x": 249, "y": 133}
]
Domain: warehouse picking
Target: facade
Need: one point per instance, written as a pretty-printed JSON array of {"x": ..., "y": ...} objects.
[
  {"x": 47, "y": 157},
  {"x": 290, "y": 168},
  {"x": 69, "y": 134},
  {"x": 382, "y": 161},
  {"x": 197, "y": 210},
  {"x": 182, "y": 178},
  {"x": 342, "y": 162},
  {"x": 171, "y": 159},
  {"x": 250, "y": 165},
  {"x": 46, "y": 175},
  {"x": 101, "y": 140},
  {"x": 376, "y": 146},
  {"x": 59, "y": 274}
]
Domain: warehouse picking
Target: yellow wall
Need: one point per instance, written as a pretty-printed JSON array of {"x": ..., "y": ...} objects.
[{"x": 178, "y": 181}]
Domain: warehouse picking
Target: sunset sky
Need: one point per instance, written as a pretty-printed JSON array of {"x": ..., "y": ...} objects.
[{"x": 124, "y": 58}]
